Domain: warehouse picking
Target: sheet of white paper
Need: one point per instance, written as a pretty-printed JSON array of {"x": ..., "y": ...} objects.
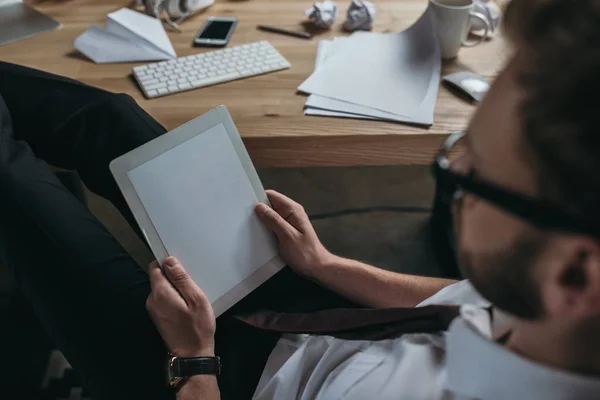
[
  {"x": 330, "y": 113},
  {"x": 387, "y": 72},
  {"x": 210, "y": 225},
  {"x": 323, "y": 106},
  {"x": 106, "y": 47},
  {"x": 147, "y": 28}
]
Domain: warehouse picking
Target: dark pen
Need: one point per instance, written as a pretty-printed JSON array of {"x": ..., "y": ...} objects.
[{"x": 302, "y": 35}]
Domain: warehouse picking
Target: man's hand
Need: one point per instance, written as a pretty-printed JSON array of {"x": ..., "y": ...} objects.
[
  {"x": 298, "y": 242},
  {"x": 180, "y": 310}
]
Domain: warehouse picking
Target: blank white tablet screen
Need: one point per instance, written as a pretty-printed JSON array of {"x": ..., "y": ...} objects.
[{"x": 201, "y": 203}]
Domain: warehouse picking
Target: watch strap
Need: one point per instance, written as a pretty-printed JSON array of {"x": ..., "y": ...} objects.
[{"x": 190, "y": 366}]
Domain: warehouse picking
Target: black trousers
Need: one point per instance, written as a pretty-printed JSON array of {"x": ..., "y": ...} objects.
[{"x": 86, "y": 290}]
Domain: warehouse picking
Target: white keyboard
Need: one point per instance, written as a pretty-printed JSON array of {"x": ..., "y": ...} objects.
[{"x": 210, "y": 68}]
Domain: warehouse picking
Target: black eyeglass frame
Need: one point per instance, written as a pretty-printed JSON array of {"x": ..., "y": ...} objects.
[{"x": 540, "y": 213}]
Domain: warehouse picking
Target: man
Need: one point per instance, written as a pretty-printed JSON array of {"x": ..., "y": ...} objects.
[{"x": 525, "y": 195}]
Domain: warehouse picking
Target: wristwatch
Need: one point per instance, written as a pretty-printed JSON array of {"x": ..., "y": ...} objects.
[{"x": 180, "y": 368}]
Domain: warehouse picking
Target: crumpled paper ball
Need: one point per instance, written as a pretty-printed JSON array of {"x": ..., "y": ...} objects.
[
  {"x": 322, "y": 14},
  {"x": 491, "y": 11},
  {"x": 361, "y": 15}
]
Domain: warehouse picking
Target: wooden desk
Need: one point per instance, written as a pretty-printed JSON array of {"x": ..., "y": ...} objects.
[{"x": 266, "y": 109}]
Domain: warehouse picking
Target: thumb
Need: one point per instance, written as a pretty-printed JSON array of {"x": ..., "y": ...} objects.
[
  {"x": 274, "y": 221},
  {"x": 181, "y": 280}
]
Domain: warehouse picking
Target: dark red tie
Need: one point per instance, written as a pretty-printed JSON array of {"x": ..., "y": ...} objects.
[{"x": 357, "y": 323}]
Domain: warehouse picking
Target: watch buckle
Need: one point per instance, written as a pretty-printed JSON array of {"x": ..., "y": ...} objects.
[{"x": 172, "y": 379}]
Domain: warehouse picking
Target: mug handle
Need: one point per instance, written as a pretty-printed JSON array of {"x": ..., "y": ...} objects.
[{"x": 488, "y": 28}]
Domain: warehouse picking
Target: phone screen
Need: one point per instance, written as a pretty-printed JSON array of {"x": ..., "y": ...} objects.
[{"x": 216, "y": 30}]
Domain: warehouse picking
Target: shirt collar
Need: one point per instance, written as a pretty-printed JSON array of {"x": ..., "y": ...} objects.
[{"x": 479, "y": 368}]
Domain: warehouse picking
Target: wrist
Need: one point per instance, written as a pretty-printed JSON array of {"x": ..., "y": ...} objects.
[
  {"x": 329, "y": 260},
  {"x": 325, "y": 261},
  {"x": 204, "y": 351}
]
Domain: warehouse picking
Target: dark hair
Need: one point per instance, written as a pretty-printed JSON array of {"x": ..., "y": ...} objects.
[{"x": 559, "y": 42}]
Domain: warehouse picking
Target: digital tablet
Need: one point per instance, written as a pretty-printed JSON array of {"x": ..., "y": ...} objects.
[{"x": 193, "y": 191}]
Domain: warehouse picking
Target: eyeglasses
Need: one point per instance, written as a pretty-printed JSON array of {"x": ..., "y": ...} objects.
[{"x": 540, "y": 213}]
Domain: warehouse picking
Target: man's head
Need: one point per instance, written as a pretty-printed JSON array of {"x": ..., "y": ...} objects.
[{"x": 538, "y": 133}]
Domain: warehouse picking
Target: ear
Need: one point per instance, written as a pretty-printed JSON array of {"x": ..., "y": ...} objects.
[{"x": 571, "y": 285}]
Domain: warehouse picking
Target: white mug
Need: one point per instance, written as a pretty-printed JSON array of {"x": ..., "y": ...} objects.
[{"x": 452, "y": 19}]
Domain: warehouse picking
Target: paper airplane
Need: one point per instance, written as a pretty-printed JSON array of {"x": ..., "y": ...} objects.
[{"x": 129, "y": 36}]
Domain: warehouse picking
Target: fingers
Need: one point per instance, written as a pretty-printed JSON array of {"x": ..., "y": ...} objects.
[
  {"x": 291, "y": 211},
  {"x": 182, "y": 281},
  {"x": 155, "y": 274},
  {"x": 274, "y": 221},
  {"x": 163, "y": 292}
]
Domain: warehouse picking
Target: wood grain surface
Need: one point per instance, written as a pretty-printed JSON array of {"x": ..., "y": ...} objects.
[{"x": 266, "y": 109}]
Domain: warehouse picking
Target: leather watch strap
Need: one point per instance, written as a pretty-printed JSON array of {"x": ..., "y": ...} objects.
[{"x": 190, "y": 366}]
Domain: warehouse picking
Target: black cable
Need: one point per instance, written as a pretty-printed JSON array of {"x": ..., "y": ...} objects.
[{"x": 366, "y": 210}]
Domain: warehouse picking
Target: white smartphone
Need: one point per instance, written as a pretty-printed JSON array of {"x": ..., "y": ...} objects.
[{"x": 216, "y": 32}]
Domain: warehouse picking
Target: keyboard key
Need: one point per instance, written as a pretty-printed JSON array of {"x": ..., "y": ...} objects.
[
  {"x": 150, "y": 82},
  {"x": 173, "y": 88},
  {"x": 163, "y": 91},
  {"x": 155, "y": 86},
  {"x": 223, "y": 78},
  {"x": 185, "y": 86},
  {"x": 152, "y": 93},
  {"x": 182, "y": 80},
  {"x": 272, "y": 57}
]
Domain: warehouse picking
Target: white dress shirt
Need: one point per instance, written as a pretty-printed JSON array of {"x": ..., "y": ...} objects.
[{"x": 462, "y": 363}]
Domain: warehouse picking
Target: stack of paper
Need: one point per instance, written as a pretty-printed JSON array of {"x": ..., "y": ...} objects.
[
  {"x": 383, "y": 76},
  {"x": 129, "y": 36}
]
